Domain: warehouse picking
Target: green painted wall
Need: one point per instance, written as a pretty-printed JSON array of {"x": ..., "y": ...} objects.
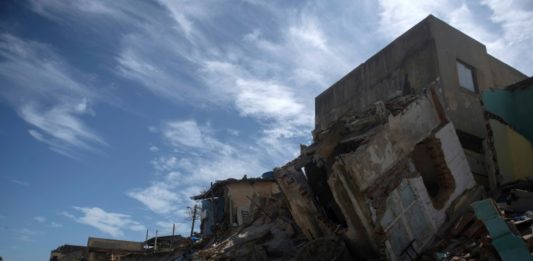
[{"x": 515, "y": 107}]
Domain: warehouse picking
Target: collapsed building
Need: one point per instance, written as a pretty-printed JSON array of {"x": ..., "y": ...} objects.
[
  {"x": 381, "y": 179},
  {"x": 403, "y": 144},
  {"x": 230, "y": 202},
  {"x": 246, "y": 219}
]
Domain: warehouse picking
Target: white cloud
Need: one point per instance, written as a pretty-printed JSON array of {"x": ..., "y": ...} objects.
[
  {"x": 42, "y": 89},
  {"x": 20, "y": 182},
  {"x": 184, "y": 133},
  {"x": 165, "y": 163},
  {"x": 60, "y": 126},
  {"x": 55, "y": 225},
  {"x": 111, "y": 223},
  {"x": 514, "y": 19},
  {"x": 39, "y": 219},
  {"x": 158, "y": 197},
  {"x": 26, "y": 235},
  {"x": 181, "y": 228}
]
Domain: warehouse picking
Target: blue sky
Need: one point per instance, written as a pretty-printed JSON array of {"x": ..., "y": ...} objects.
[{"x": 113, "y": 113}]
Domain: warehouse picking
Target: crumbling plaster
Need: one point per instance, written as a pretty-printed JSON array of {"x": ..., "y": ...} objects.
[
  {"x": 372, "y": 160},
  {"x": 362, "y": 180}
]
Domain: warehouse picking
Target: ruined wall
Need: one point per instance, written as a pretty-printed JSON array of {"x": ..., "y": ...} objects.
[
  {"x": 239, "y": 197},
  {"x": 458, "y": 166},
  {"x": 408, "y": 62},
  {"x": 399, "y": 136},
  {"x": 305, "y": 212},
  {"x": 379, "y": 190}
]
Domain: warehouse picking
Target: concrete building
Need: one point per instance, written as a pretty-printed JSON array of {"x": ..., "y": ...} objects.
[
  {"x": 382, "y": 179},
  {"x": 430, "y": 52}
]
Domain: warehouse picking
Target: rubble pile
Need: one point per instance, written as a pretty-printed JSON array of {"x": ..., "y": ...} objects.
[
  {"x": 489, "y": 230},
  {"x": 270, "y": 234}
]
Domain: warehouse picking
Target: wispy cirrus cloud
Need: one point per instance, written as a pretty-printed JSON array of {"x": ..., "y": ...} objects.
[
  {"x": 39, "y": 85},
  {"x": 113, "y": 224}
]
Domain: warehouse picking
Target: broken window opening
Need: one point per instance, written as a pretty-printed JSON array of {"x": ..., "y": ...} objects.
[
  {"x": 429, "y": 161},
  {"x": 317, "y": 180},
  {"x": 470, "y": 142},
  {"x": 347, "y": 147}
]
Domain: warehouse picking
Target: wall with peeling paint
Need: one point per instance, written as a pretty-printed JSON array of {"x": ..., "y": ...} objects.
[
  {"x": 459, "y": 168},
  {"x": 381, "y": 167},
  {"x": 514, "y": 153}
]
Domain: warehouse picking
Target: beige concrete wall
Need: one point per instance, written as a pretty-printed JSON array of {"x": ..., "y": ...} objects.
[
  {"x": 408, "y": 62},
  {"x": 463, "y": 106},
  {"x": 503, "y": 74}
]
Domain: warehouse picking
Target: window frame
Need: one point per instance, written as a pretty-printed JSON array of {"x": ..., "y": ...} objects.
[{"x": 473, "y": 73}]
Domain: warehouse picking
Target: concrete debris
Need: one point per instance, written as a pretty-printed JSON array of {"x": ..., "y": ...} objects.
[
  {"x": 486, "y": 232},
  {"x": 270, "y": 234}
]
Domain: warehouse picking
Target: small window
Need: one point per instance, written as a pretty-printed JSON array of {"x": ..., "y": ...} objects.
[{"x": 466, "y": 76}]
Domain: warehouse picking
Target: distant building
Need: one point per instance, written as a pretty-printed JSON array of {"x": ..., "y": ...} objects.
[
  {"x": 69, "y": 253},
  {"x": 230, "y": 202},
  {"x": 111, "y": 249}
]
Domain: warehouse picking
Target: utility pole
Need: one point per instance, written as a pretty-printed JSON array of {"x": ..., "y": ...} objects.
[
  {"x": 155, "y": 241},
  {"x": 193, "y": 218},
  {"x": 173, "y": 231},
  {"x": 146, "y": 239}
]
